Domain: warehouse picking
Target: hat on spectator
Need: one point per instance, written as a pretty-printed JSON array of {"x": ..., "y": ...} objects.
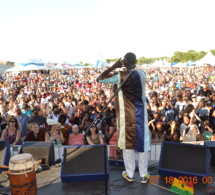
[
  {"x": 52, "y": 122},
  {"x": 193, "y": 96}
]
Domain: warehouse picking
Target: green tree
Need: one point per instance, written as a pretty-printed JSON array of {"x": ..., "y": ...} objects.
[
  {"x": 213, "y": 52},
  {"x": 112, "y": 60}
]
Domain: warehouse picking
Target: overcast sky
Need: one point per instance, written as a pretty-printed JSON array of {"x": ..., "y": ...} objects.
[{"x": 85, "y": 30}]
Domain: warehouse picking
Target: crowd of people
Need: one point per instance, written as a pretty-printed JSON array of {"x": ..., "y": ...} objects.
[{"x": 59, "y": 106}]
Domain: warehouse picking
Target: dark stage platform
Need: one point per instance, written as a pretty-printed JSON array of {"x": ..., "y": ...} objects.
[{"x": 49, "y": 183}]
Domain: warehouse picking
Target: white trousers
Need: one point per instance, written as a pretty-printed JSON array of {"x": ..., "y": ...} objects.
[{"x": 129, "y": 161}]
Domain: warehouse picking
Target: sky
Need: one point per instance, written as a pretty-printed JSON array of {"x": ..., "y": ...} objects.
[{"x": 88, "y": 30}]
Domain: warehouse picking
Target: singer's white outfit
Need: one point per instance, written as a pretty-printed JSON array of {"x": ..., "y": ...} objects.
[
  {"x": 129, "y": 161},
  {"x": 132, "y": 119}
]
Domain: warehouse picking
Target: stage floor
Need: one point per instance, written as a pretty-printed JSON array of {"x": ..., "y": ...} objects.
[{"x": 49, "y": 183}]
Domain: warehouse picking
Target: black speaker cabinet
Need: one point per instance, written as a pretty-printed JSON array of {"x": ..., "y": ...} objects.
[
  {"x": 4, "y": 154},
  {"x": 84, "y": 163},
  {"x": 40, "y": 151},
  {"x": 211, "y": 145},
  {"x": 178, "y": 159}
]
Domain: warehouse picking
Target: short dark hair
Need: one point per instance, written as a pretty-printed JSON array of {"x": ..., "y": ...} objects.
[{"x": 131, "y": 57}]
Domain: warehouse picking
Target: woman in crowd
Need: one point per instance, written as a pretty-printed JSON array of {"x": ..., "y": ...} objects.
[
  {"x": 65, "y": 127},
  {"x": 155, "y": 120},
  {"x": 157, "y": 131},
  {"x": 111, "y": 135},
  {"x": 207, "y": 131},
  {"x": 12, "y": 132},
  {"x": 190, "y": 131},
  {"x": 54, "y": 135},
  {"x": 85, "y": 122},
  {"x": 94, "y": 136},
  {"x": 173, "y": 132},
  {"x": 76, "y": 138}
]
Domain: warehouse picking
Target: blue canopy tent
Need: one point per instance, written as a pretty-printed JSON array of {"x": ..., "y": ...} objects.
[
  {"x": 189, "y": 63},
  {"x": 33, "y": 62},
  {"x": 100, "y": 64},
  {"x": 173, "y": 64}
]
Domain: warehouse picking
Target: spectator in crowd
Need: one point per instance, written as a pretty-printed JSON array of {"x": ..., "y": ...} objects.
[
  {"x": 65, "y": 127},
  {"x": 213, "y": 137},
  {"x": 22, "y": 120},
  {"x": 200, "y": 137},
  {"x": 12, "y": 133},
  {"x": 55, "y": 112},
  {"x": 45, "y": 109},
  {"x": 180, "y": 104},
  {"x": 158, "y": 135},
  {"x": 194, "y": 101},
  {"x": 39, "y": 119},
  {"x": 203, "y": 112},
  {"x": 111, "y": 136},
  {"x": 54, "y": 134},
  {"x": 190, "y": 132},
  {"x": 35, "y": 133},
  {"x": 207, "y": 131},
  {"x": 173, "y": 132},
  {"x": 76, "y": 138},
  {"x": 26, "y": 110},
  {"x": 94, "y": 136},
  {"x": 86, "y": 121}
]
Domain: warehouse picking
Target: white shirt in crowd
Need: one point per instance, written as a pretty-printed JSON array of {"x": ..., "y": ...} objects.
[
  {"x": 190, "y": 136},
  {"x": 180, "y": 105}
]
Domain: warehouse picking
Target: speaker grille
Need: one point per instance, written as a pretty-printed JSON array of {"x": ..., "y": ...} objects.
[
  {"x": 2, "y": 148},
  {"x": 184, "y": 157},
  {"x": 83, "y": 160},
  {"x": 40, "y": 151}
]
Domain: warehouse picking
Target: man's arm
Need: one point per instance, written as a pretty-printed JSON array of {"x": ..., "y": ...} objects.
[{"x": 117, "y": 64}]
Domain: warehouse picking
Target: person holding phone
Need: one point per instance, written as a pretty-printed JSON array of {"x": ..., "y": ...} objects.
[{"x": 132, "y": 117}]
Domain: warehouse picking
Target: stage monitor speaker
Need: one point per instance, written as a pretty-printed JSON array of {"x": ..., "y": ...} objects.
[
  {"x": 211, "y": 145},
  {"x": 40, "y": 151},
  {"x": 84, "y": 163},
  {"x": 4, "y": 154},
  {"x": 177, "y": 159}
]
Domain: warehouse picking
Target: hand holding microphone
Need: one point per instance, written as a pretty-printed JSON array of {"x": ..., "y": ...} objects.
[{"x": 120, "y": 63}]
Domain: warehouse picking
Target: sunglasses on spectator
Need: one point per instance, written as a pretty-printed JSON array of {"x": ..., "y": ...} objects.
[
  {"x": 12, "y": 121},
  {"x": 93, "y": 126}
]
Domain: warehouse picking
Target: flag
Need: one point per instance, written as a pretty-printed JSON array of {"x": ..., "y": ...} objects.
[{"x": 182, "y": 188}]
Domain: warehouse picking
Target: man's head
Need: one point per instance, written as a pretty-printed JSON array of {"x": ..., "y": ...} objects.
[
  {"x": 34, "y": 127},
  {"x": 130, "y": 60},
  {"x": 75, "y": 129},
  {"x": 36, "y": 111},
  {"x": 17, "y": 110}
]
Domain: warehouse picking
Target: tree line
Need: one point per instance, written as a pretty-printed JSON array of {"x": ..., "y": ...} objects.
[{"x": 178, "y": 56}]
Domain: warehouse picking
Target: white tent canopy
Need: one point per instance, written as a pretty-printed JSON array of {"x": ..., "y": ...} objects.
[
  {"x": 165, "y": 63},
  {"x": 161, "y": 63},
  {"x": 209, "y": 58},
  {"x": 20, "y": 68},
  {"x": 156, "y": 63}
]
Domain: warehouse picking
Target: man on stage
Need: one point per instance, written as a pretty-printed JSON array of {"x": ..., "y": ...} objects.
[{"x": 132, "y": 117}]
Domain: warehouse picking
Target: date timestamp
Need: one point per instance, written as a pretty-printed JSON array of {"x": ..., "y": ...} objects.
[{"x": 182, "y": 179}]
